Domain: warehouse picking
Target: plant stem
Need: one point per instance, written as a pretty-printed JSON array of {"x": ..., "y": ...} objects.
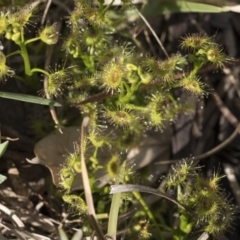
[
  {"x": 39, "y": 70},
  {"x": 113, "y": 215},
  {"x": 107, "y": 7},
  {"x": 13, "y": 53},
  {"x": 24, "y": 53},
  {"x": 195, "y": 70},
  {"x": 32, "y": 40},
  {"x": 148, "y": 211},
  {"x": 115, "y": 205}
]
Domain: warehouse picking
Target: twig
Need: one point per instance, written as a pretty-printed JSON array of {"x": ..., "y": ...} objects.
[
  {"x": 149, "y": 42},
  {"x": 204, "y": 236},
  {"x": 233, "y": 77},
  {"x": 210, "y": 152},
  {"x": 10, "y": 229},
  {"x": 8, "y": 138},
  {"x": 46, "y": 11},
  {"x": 86, "y": 183},
  {"x": 223, "y": 108},
  {"x": 153, "y": 33},
  {"x": 232, "y": 181},
  {"x": 14, "y": 217}
]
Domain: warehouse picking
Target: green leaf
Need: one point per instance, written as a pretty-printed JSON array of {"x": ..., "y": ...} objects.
[
  {"x": 185, "y": 225},
  {"x": 30, "y": 99},
  {"x": 3, "y": 147},
  {"x": 63, "y": 235},
  {"x": 78, "y": 235},
  {"x": 172, "y": 6},
  {"x": 2, "y": 178}
]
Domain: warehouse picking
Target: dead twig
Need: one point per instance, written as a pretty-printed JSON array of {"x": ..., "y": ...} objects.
[
  {"x": 153, "y": 33},
  {"x": 46, "y": 11},
  {"x": 210, "y": 152},
  {"x": 86, "y": 183}
]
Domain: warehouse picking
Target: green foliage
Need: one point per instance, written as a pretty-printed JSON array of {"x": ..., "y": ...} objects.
[
  {"x": 63, "y": 236},
  {"x": 30, "y": 99},
  {"x": 3, "y": 147},
  {"x": 207, "y": 207},
  {"x": 172, "y": 6},
  {"x": 129, "y": 92}
]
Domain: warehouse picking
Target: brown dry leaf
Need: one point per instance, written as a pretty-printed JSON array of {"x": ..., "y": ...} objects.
[{"x": 52, "y": 151}]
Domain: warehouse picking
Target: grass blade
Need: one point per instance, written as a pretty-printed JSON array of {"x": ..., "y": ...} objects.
[
  {"x": 183, "y": 6},
  {"x": 2, "y": 178},
  {"x": 131, "y": 187},
  {"x": 3, "y": 147},
  {"x": 29, "y": 98}
]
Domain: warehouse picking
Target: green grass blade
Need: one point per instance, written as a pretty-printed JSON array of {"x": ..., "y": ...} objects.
[
  {"x": 62, "y": 234},
  {"x": 115, "y": 205},
  {"x": 2, "y": 178},
  {"x": 3, "y": 147},
  {"x": 30, "y": 99},
  {"x": 172, "y": 6}
]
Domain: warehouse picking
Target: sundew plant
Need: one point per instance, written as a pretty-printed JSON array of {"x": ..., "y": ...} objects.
[{"x": 118, "y": 87}]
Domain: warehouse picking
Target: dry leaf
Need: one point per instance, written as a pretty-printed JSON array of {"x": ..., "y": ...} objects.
[{"x": 52, "y": 151}]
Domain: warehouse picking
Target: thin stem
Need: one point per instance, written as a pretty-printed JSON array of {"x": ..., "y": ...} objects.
[
  {"x": 148, "y": 211},
  {"x": 115, "y": 205},
  {"x": 22, "y": 35},
  {"x": 124, "y": 95},
  {"x": 19, "y": 78},
  {"x": 153, "y": 33},
  {"x": 196, "y": 69},
  {"x": 131, "y": 187},
  {"x": 113, "y": 215},
  {"x": 85, "y": 179},
  {"x": 13, "y": 53},
  {"x": 24, "y": 53},
  {"x": 107, "y": 7},
  {"x": 32, "y": 40},
  {"x": 135, "y": 107},
  {"x": 210, "y": 152},
  {"x": 45, "y": 86},
  {"x": 46, "y": 11},
  {"x": 39, "y": 70},
  {"x": 135, "y": 86}
]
